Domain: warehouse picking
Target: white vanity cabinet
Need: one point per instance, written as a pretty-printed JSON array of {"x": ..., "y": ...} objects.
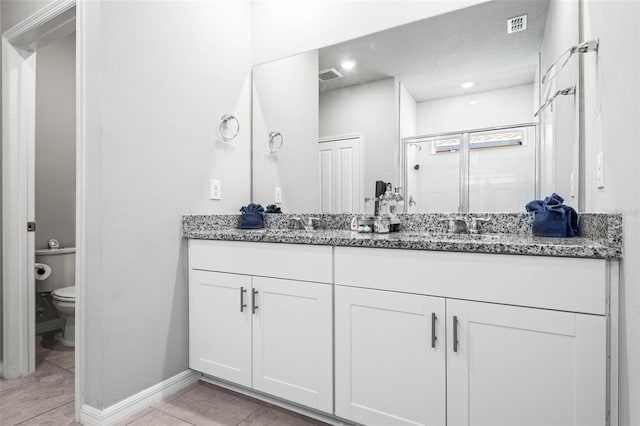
[
  {"x": 522, "y": 366},
  {"x": 254, "y": 320},
  {"x": 390, "y": 357},
  {"x": 528, "y": 347}
]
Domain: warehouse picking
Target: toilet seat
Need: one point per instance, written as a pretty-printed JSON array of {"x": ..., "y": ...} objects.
[{"x": 65, "y": 293}]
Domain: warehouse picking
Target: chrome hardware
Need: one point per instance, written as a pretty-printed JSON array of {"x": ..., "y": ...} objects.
[
  {"x": 564, "y": 92},
  {"x": 31, "y": 227},
  {"x": 296, "y": 223},
  {"x": 456, "y": 225},
  {"x": 242, "y": 304},
  {"x": 455, "y": 333},
  {"x": 585, "y": 47},
  {"x": 317, "y": 223},
  {"x": 310, "y": 224},
  {"x": 224, "y": 123},
  {"x": 275, "y": 142},
  {"x": 473, "y": 227},
  {"x": 433, "y": 329},
  {"x": 254, "y": 307}
]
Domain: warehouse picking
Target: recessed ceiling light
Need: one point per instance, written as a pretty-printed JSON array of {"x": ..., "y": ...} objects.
[
  {"x": 473, "y": 102},
  {"x": 467, "y": 85},
  {"x": 348, "y": 64}
]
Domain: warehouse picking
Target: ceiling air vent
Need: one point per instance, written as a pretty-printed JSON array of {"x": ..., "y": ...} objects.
[
  {"x": 330, "y": 74},
  {"x": 516, "y": 24}
]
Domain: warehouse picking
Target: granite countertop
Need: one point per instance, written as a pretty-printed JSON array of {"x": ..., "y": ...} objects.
[{"x": 601, "y": 235}]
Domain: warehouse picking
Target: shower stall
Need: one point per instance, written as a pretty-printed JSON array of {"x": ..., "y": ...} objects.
[{"x": 481, "y": 170}]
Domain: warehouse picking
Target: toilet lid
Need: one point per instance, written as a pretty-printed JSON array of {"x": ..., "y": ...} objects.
[{"x": 65, "y": 292}]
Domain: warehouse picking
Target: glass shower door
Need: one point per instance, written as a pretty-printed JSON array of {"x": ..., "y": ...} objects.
[
  {"x": 502, "y": 169},
  {"x": 433, "y": 174}
]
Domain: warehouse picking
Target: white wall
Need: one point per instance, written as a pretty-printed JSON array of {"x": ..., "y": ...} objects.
[
  {"x": 286, "y": 27},
  {"x": 559, "y": 142},
  {"x": 158, "y": 77},
  {"x": 55, "y": 160},
  {"x": 370, "y": 109},
  {"x": 611, "y": 111},
  {"x": 512, "y": 105},
  {"x": 285, "y": 99}
]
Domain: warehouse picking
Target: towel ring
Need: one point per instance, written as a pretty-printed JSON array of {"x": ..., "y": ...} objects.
[
  {"x": 224, "y": 124},
  {"x": 275, "y": 142}
]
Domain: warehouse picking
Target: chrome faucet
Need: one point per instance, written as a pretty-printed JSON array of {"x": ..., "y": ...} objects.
[
  {"x": 473, "y": 227},
  {"x": 310, "y": 224},
  {"x": 458, "y": 225}
]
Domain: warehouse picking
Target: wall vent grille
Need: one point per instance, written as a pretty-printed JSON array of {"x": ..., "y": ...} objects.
[
  {"x": 330, "y": 74},
  {"x": 516, "y": 24}
]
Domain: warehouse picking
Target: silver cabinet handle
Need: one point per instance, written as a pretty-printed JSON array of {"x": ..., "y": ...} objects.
[
  {"x": 433, "y": 329},
  {"x": 455, "y": 333},
  {"x": 254, "y": 307},
  {"x": 242, "y": 304}
]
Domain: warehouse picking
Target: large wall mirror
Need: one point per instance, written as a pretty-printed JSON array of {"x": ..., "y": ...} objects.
[{"x": 443, "y": 109}]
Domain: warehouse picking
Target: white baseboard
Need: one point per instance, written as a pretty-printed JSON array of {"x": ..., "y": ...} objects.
[{"x": 90, "y": 416}]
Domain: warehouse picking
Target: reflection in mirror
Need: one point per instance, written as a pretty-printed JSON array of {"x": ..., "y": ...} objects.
[
  {"x": 403, "y": 106},
  {"x": 478, "y": 171}
]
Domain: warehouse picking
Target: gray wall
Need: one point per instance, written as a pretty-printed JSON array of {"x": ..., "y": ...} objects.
[
  {"x": 559, "y": 148},
  {"x": 55, "y": 160},
  {"x": 15, "y": 11},
  {"x": 611, "y": 108},
  {"x": 285, "y": 99},
  {"x": 373, "y": 110},
  {"x": 158, "y": 77}
]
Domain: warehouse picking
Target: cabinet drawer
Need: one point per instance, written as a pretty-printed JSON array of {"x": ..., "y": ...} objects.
[
  {"x": 289, "y": 261},
  {"x": 567, "y": 284}
]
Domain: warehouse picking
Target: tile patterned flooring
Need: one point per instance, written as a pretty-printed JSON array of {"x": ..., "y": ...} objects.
[{"x": 47, "y": 398}]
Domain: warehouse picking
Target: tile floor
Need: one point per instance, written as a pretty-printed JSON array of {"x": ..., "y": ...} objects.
[{"x": 47, "y": 398}]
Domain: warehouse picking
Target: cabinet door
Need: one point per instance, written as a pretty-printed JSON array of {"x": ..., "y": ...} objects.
[
  {"x": 521, "y": 366},
  {"x": 219, "y": 331},
  {"x": 292, "y": 341},
  {"x": 389, "y": 371}
]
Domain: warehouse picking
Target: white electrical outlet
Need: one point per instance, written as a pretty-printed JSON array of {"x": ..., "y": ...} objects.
[
  {"x": 600, "y": 170},
  {"x": 278, "y": 194},
  {"x": 215, "y": 189}
]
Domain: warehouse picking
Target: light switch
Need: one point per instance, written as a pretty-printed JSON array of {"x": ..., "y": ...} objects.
[
  {"x": 600, "y": 170},
  {"x": 278, "y": 195},
  {"x": 215, "y": 189}
]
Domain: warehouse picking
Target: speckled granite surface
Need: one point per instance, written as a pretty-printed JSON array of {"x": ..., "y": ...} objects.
[{"x": 505, "y": 233}]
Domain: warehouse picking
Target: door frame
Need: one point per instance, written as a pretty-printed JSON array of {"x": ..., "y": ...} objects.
[{"x": 19, "y": 45}]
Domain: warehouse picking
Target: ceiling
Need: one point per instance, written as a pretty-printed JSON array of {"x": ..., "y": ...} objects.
[{"x": 434, "y": 56}]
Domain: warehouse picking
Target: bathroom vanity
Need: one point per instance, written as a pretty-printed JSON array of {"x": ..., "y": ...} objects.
[{"x": 360, "y": 330}]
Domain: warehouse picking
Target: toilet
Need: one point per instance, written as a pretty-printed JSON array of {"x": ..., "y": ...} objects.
[{"x": 61, "y": 284}]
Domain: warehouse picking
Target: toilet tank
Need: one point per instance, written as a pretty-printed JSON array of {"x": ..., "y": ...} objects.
[{"x": 63, "y": 268}]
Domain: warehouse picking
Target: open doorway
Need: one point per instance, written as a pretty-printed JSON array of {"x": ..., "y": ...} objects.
[
  {"x": 38, "y": 198},
  {"x": 55, "y": 196}
]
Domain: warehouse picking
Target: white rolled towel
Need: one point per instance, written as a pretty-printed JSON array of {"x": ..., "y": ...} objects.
[{"x": 42, "y": 271}]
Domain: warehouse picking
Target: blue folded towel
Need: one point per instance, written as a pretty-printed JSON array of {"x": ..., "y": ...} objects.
[
  {"x": 251, "y": 217},
  {"x": 552, "y": 218},
  {"x": 272, "y": 208}
]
